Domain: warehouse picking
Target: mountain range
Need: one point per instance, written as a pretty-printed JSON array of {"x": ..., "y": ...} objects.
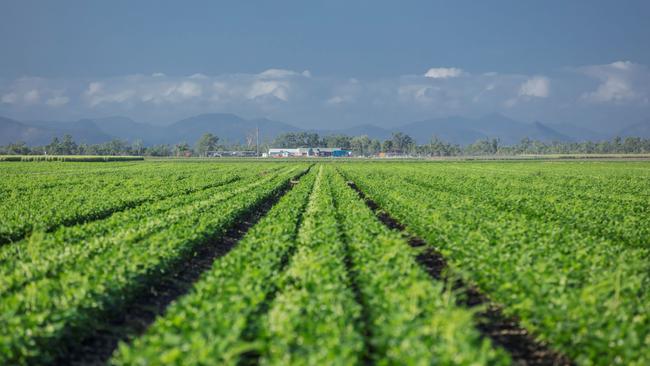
[{"x": 231, "y": 129}]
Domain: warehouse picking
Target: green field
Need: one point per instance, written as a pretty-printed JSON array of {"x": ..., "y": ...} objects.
[{"x": 305, "y": 271}]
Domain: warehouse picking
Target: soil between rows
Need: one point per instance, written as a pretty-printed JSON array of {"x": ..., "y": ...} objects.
[
  {"x": 502, "y": 330},
  {"x": 135, "y": 317}
]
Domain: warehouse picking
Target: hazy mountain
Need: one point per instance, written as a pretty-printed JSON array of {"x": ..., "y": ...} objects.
[
  {"x": 13, "y": 131},
  {"x": 127, "y": 129},
  {"x": 463, "y": 130},
  {"x": 41, "y": 133},
  {"x": 232, "y": 129},
  {"x": 371, "y": 131},
  {"x": 641, "y": 129},
  {"x": 228, "y": 127},
  {"x": 578, "y": 133}
]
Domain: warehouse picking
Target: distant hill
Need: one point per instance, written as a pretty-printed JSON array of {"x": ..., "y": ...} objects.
[
  {"x": 641, "y": 129},
  {"x": 128, "y": 129},
  {"x": 371, "y": 131},
  {"x": 462, "y": 130},
  {"x": 228, "y": 127},
  {"x": 233, "y": 129},
  {"x": 578, "y": 133},
  {"x": 41, "y": 133}
]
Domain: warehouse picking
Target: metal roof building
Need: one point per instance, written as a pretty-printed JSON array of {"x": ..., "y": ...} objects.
[{"x": 308, "y": 152}]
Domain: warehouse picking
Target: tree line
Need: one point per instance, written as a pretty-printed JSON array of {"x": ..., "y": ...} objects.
[
  {"x": 403, "y": 144},
  {"x": 68, "y": 146},
  {"x": 398, "y": 144}
]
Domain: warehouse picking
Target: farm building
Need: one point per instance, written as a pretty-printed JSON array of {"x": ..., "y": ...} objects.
[
  {"x": 230, "y": 153},
  {"x": 308, "y": 152}
]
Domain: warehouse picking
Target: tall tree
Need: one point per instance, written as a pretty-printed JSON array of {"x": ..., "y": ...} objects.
[
  {"x": 68, "y": 146},
  {"x": 54, "y": 147},
  {"x": 181, "y": 149},
  {"x": 360, "y": 145},
  {"x": 402, "y": 142},
  {"x": 138, "y": 147},
  {"x": 206, "y": 142}
]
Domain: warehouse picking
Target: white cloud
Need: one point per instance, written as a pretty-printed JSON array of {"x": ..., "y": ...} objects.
[
  {"x": 443, "y": 72},
  {"x": 620, "y": 82},
  {"x": 198, "y": 75},
  {"x": 158, "y": 75},
  {"x": 9, "y": 98},
  {"x": 32, "y": 96},
  {"x": 614, "y": 89},
  {"x": 337, "y": 99},
  {"x": 537, "y": 86},
  {"x": 96, "y": 94},
  {"x": 57, "y": 101},
  {"x": 94, "y": 88},
  {"x": 622, "y": 65},
  {"x": 297, "y": 96},
  {"x": 189, "y": 89},
  {"x": 278, "y": 74},
  {"x": 275, "y": 89}
]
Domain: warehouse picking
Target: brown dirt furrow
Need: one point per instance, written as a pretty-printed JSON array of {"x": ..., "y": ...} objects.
[
  {"x": 132, "y": 319},
  {"x": 491, "y": 322}
]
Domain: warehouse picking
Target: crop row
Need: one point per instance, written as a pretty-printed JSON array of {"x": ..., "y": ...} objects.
[
  {"x": 39, "y": 318},
  {"x": 43, "y": 202},
  {"x": 611, "y": 209},
  {"x": 315, "y": 318},
  {"x": 413, "y": 320},
  {"x": 581, "y": 287},
  {"x": 43, "y": 255},
  {"x": 207, "y": 326},
  {"x": 322, "y": 282}
]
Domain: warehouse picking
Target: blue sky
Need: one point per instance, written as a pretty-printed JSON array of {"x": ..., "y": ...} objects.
[{"x": 335, "y": 62}]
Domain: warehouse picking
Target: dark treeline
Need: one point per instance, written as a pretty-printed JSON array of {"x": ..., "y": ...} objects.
[
  {"x": 402, "y": 144},
  {"x": 67, "y": 146},
  {"x": 399, "y": 144}
]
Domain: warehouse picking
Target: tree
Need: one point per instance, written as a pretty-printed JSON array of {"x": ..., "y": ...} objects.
[
  {"x": 374, "y": 147},
  {"x": 402, "y": 142},
  {"x": 117, "y": 147},
  {"x": 387, "y": 146},
  {"x": 206, "y": 143},
  {"x": 341, "y": 141},
  {"x": 53, "y": 147},
  {"x": 67, "y": 146},
  {"x": 138, "y": 147},
  {"x": 181, "y": 149},
  {"x": 159, "y": 150},
  {"x": 360, "y": 145},
  {"x": 18, "y": 148},
  {"x": 437, "y": 147},
  {"x": 286, "y": 140}
]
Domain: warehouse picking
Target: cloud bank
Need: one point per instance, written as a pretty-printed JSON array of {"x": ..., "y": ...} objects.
[{"x": 578, "y": 94}]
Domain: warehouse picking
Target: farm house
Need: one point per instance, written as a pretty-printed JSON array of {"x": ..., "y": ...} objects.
[{"x": 308, "y": 152}]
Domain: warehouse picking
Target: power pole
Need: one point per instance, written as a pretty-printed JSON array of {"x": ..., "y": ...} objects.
[{"x": 257, "y": 140}]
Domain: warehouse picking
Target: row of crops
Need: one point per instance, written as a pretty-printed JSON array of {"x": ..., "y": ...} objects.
[
  {"x": 309, "y": 285},
  {"x": 564, "y": 247},
  {"x": 319, "y": 279},
  {"x": 58, "y": 283}
]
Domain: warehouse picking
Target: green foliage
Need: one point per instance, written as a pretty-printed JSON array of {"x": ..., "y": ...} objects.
[
  {"x": 319, "y": 280},
  {"x": 314, "y": 319},
  {"x": 88, "y": 271},
  {"x": 208, "y": 325},
  {"x": 207, "y": 142},
  {"x": 413, "y": 320},
  {"x": 69, "y": 158},
  {"x": 562, "y": 246}
]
